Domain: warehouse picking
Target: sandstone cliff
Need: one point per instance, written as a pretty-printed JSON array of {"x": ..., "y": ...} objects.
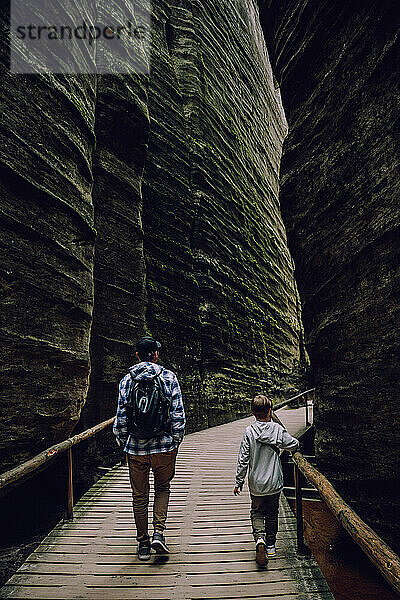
[
  {"x": 220, "y": 279},
  {"x": 47, "y": 241},
  {"x": 138, "y": 203},
  {"x": 338, "y": 64}
]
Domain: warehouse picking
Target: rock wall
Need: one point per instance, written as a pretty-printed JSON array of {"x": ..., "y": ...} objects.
[
  {"x": 146, "y": 203},
  {"x": 47, "y": 242},
  {"x": 220, "y": 279},
  {"x": 121, "y": 129},
  {"x": 337, "y": 65}
]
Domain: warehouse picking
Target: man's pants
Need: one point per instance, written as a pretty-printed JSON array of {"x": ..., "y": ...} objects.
[
  {"x": 163, "y": 466},
  {"x": 264, "y": 517}
]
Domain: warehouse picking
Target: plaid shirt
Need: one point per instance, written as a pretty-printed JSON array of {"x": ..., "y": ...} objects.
[{"x": 165, "y": 443}]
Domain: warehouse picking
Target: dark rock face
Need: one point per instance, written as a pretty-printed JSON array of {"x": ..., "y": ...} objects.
[
  {"x": 147, "y": 203},
  {"x": 338, "y": 66},
  {"x": 121, "y": 130},
  {"x": 168, "y": 213},
  {"x": 47, "y": 241},
  {"x": 220, "y": 280}
]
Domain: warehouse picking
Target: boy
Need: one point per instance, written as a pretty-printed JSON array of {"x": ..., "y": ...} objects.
[{"x": 259, "y": 452}]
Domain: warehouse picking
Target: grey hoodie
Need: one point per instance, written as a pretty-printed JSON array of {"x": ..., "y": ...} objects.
[
  {"x": 263, "y": 462},
  {"x": 145, "y": 370}
]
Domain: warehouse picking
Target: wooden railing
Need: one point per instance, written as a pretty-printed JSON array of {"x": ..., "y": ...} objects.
[
  {"x": 378, "y": 552},
  {"x": 18, "y": 473}
]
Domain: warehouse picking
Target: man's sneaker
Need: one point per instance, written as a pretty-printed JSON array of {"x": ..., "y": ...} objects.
[
  {"x": 158, "y": 543},
  {"x": 261, "y": 557},
  {"x": 271, "y": 551},
  {"x": 143, "y": 550}
]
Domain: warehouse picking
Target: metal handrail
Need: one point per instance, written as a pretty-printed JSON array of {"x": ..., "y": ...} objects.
[
  {"x": 17, "y": 473},
  {"x": 373, "y": 546}
]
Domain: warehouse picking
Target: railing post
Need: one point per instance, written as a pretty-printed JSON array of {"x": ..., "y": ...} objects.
[
  {"x": 70, "y": 500},
  {"x": 302, "y": 548},
  {"x": 307, "y": 415}
]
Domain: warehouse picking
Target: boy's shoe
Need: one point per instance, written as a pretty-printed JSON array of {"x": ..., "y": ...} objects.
[
  {"x": 261, "y": 557},
  {"x": 143, "y": 550},
  {"x": 158, "y": 543},
  {"x": 271, "y": 551}
]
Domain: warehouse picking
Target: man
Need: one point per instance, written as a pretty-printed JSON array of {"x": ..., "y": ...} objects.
[{"x": 158, "y": 453}]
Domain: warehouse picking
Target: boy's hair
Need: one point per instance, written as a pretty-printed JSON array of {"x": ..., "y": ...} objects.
[{"x": 260, "y": 406}]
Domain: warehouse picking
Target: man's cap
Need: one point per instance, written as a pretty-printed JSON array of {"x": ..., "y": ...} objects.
[{"x": 147, "y": 346}]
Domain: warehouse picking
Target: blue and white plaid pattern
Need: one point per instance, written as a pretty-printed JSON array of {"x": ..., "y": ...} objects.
[{"x": 165, "y": 443}]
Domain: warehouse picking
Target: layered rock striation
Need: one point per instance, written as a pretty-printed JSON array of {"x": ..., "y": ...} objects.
[
  {"x": 47, "y": 245},
  {"x": 337, "y": 65},
  {"x": 220, "y": 279}
]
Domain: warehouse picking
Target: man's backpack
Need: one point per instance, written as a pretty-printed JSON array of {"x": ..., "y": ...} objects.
[{"x": 148, "y": 408}]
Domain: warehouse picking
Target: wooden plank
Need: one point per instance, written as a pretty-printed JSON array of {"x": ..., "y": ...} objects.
[
  {"x": 102, "y": 546},
  {"x": 85, "y": 593},
  {"x": 165, "y": 579},
  {"x": 250, "y": 577},
  {"x": 177, "y": 558},
  {"x": 22, "y": 593},
  {"x": 267, "y": 593},
  {"x": 133, "y": 567},
  {"x": 256, "y": 590},
  {"x": 87, "y": 580}
]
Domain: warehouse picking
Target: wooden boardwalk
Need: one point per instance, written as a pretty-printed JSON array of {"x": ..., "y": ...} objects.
[{"x": 212, "y": 551}]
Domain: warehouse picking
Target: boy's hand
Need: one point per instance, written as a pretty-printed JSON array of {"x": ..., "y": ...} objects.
[{"x": 237, "y": 491}]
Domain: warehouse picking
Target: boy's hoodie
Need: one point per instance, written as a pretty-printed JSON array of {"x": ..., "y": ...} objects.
[{"x": 263, "y": 462}]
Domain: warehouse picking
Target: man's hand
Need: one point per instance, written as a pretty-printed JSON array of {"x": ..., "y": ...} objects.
[{"x": 236, "y": 491}]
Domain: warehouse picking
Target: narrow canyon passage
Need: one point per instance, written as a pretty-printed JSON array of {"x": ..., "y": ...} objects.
[{"x": 240, "y": 203}]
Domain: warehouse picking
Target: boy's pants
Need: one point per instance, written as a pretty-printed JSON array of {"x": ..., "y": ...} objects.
[
  {"x": 163, "y": 466},
  {"x": 264, "y": 517}
]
